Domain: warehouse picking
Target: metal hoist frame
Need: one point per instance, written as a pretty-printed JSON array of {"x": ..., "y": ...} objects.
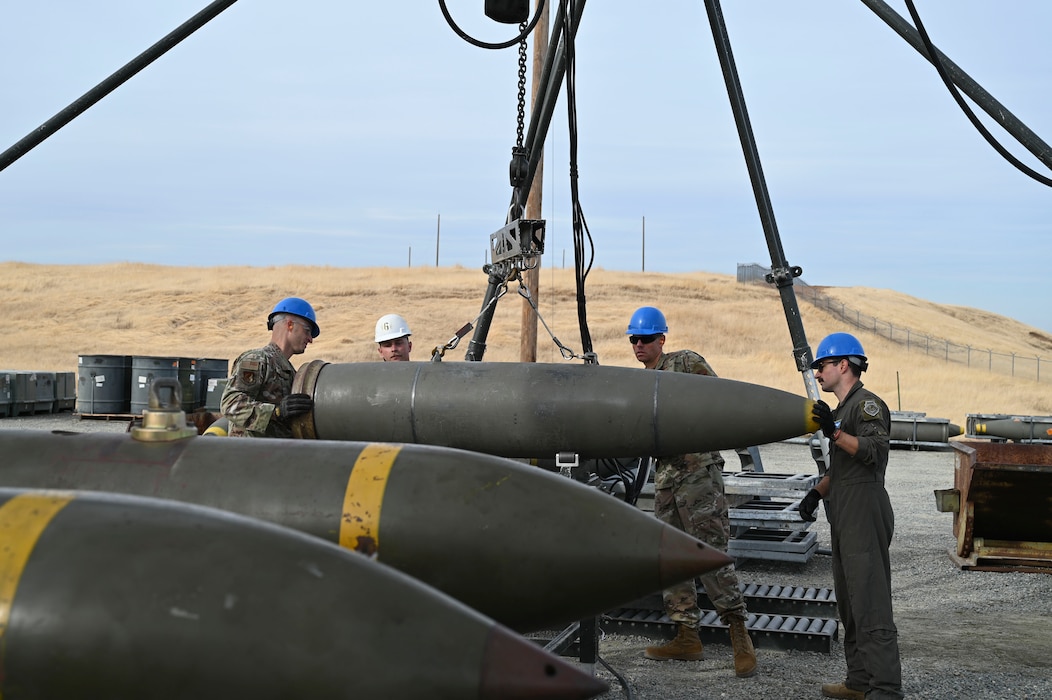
[{"x": 520, "y": 242}]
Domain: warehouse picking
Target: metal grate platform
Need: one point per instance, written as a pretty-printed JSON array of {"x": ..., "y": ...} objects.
[
  {"x": 773, "y": 599},
  {"x": 780, "y": 617},
  {"x": 765, "y": 522},
  {"x": 767, "y": 631},
  {"x": 768, "y": 514},
  {"x": 796, "y": 546},
  {"x": 769, "y": 485}
]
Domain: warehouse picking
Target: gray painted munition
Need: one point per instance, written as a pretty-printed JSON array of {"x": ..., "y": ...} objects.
[
  {"x": 106, "y": 596},
  {"x": 537, "y": 410},
  {"x": 1022, "y": 428},
  {"x": 908, "y": 427},
  {"x": 526, "y": 547}
]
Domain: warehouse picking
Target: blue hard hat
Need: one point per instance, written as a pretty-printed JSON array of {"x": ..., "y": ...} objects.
[
  {"x": 297, "y": 307},
  {"x": 841, "y": 345},
  {"x": 647, "y": 320}
]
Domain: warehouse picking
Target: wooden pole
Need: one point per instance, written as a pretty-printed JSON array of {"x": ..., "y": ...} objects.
[{"x": 532, "y": 278}]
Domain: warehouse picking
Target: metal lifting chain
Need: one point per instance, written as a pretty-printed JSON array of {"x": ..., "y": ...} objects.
[
  {"x": 522, "y": 88},
  {"x": 520, "y": 164}
]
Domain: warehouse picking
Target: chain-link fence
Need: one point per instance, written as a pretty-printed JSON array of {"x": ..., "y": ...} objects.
[{"x": 1032, "y": 367}]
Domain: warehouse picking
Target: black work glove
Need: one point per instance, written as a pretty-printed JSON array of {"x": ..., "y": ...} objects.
[
  {"x": 809, "y": 504},
  {"x": 293, "y": 405},
  {"x": 824, "y": 417}
]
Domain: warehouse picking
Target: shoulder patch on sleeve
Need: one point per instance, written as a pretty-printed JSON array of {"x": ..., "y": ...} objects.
[
  {"x": 249, "y": 371},
  {"x": 870, "y": 409}
]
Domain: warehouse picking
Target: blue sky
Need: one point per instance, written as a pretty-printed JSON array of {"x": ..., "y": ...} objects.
[{"x": 336, "y": 133}]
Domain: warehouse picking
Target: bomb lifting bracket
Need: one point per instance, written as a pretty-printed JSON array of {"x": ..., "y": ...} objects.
[{"x": 518, "y": 242}]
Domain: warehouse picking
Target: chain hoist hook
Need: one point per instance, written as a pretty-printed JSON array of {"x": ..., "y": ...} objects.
[{"x": 519, "y": 168}]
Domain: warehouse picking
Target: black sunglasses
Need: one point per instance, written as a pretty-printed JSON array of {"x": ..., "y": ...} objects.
[{"x": 645, "y": 339}]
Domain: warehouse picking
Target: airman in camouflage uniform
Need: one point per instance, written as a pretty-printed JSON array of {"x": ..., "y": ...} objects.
[
  {"x": 258, "y": 399},
  {"x": 689, "y": 495}
]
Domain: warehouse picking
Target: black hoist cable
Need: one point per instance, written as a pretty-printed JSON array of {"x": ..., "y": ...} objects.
[
  {"x": 936, "y": 61},
  {"x": 580, "y": 226}
]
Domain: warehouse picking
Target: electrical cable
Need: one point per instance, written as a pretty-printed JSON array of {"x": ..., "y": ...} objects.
[
  {"x": 615, "y": 468},
  {"x": 627, "y": 479},
  {"x": 620, "y": 679},
  {"x": 933, "y": 54},
  {"x": 642, "y": 477}
]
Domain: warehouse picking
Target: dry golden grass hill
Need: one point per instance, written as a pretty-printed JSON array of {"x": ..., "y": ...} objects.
[{"x": 55, "y": 313}]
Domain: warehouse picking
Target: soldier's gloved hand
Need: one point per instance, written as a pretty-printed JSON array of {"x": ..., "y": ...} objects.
[
  {"x": 824, "y": 417},
  {"x": 293, "y": 405},
  {"x": 809, "y": 504}
]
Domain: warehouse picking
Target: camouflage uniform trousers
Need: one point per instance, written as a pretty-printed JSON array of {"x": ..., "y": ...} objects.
[{"x": 695, "y": 502}]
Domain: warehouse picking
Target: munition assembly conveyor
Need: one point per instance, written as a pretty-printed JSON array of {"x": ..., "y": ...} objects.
[{"x": 780, "y": 617}]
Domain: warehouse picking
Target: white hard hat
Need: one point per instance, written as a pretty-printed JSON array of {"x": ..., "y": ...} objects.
[{"x": 391, "y": 326}]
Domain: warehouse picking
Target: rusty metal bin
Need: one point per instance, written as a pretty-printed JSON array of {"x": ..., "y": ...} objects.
[{"x": 1002, "y": 506}]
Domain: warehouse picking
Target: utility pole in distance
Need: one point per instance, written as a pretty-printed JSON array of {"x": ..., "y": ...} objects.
[
  {"x": 532, "y": 277},
  {"x": 644, "y": 251},
  {"x": 438, "y": 236}
]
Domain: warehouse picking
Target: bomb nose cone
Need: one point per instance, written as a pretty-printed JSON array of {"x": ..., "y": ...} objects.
[
  {"x": 514, "y": 669},
  {"x": 681, "y": 557}
]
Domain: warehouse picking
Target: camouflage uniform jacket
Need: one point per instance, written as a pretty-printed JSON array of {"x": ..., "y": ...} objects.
[
  {"x": 259, "y": 380},
  {"x": 689, "y": 362}
]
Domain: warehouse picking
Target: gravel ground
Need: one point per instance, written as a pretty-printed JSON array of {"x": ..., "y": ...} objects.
[
  {"x": 66, "y": 420},
  {"x": 961, "y": 633}
]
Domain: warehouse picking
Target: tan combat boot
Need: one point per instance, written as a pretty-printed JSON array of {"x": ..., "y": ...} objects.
[
  {"x": 840, "y": 690},
  {"x": 744, "y": 653},
  {"x": 685, "y": 647}
]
